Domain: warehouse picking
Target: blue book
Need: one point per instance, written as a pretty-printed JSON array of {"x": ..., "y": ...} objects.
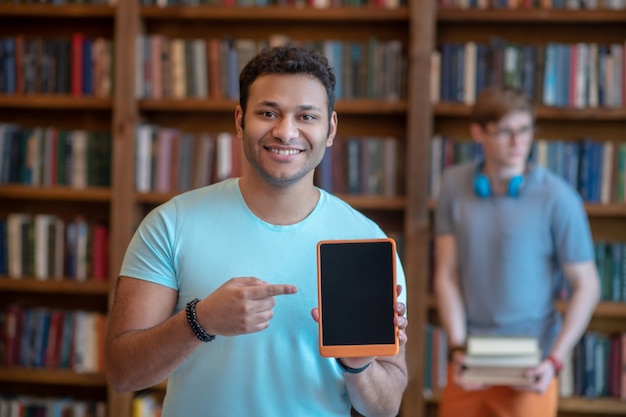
[
  {"x": 87, "y": 68},
  {"x": 8, "y": 61},
  {"x": 570, "y": 161},
  {"x": 481, "y": 67},
  {"x": 550, "y": 75},
  {"x": 603, "y": 51},
  {"x": 446, "y": 71},
  {"x": 595, "y": 177},
  {"x": 584, "y": 171},
  {"x": 324, "y": 171},
  {"x": 616, "y": 272},
  {"x": 459, "y": 71}
]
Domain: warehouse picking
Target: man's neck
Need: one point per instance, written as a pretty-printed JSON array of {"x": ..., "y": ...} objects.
[
  {"x": 500, "y": 177},
  {"x": 279, "y": 205}
]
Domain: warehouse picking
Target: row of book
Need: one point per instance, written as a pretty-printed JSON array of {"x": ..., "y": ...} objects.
[
  {"x": 48, "y": 156},
  {"x": 368, "y": 166},
  {"x": 202, "y": 68},
  {"x": 554, "y": 74},
  {"x": 610, "y": 258},
  {"x": 45, "y": 338},
  {"x": 320, "y": 4},
  {"x": 611, "y": 265},
  {"x": 170, "y": 161},
  {"x": 80, "y": 65},
  {"x": 533, "y": 4},
  {"x": 45, "y": 246},
  {"x": 597, "y": 169},
  {"x": 596, "y": 367},
  {"x": 50, "y": 407}
]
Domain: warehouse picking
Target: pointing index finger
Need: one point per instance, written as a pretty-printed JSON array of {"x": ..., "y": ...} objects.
[{"x": 271, "y": 290}]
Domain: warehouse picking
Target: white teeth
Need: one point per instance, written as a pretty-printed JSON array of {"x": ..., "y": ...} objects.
[{"x": 284, "y": 151}]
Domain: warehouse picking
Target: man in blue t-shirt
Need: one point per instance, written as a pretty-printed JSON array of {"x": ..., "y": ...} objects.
[
  {"x": 507, "y": 231},
  {"x": 218, "y": 288}
]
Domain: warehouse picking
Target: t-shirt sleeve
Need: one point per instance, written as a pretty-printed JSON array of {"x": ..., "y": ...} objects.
[
  {"x": 570, "y": 229},
  {"x": 150, "y": 255}
]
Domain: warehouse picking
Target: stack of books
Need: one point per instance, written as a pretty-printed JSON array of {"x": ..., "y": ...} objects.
[{"x": 495, "y": 360}]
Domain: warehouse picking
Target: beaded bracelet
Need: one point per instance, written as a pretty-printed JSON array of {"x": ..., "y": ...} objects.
[
  {"x": 196, "y": 327},
  {"x": 351, "y": 370}
]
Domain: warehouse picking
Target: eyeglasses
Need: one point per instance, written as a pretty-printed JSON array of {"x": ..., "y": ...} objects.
[{"x": 507, "y": 134}]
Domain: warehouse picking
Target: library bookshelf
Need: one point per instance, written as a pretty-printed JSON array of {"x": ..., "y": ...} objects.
[
  {"x": 413, "y": 118},
  {"x": 570, "y": 121},
  {"x": 35, "y": 102},
  {"x": 119, "y": 205}
]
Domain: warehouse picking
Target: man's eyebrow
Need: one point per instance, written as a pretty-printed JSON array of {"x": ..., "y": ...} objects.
[
  {"x": 309, "y": 107},
  {"x": 273, "y": 104}
]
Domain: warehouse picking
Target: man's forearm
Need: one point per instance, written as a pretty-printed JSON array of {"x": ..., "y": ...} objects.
[
  {"x": 577, "y": 316},
  {"x": 379, "y": 389},
  {"x": 451, "y": 310},
  {"x": 132, "y": 366}
]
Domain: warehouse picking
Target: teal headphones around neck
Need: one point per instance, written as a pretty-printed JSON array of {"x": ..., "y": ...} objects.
[{"x": 482, "y": 187}]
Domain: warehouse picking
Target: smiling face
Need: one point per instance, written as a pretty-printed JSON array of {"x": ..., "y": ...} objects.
[{"x": 287, "y": 127}]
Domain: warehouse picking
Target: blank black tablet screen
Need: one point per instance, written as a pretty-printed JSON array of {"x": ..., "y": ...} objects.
[{"x": 357, "y": 293}]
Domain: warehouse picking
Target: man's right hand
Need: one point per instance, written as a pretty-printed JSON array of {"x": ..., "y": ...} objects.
[
  {"x": 457, "y": 362},
  {"x": 241, "y": 305}
]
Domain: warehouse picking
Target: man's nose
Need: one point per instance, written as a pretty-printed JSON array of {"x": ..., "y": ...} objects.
[{"x": 286, "y": 129}]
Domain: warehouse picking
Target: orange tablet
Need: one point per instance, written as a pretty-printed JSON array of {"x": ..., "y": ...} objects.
[{"x": 356, "y": 294}]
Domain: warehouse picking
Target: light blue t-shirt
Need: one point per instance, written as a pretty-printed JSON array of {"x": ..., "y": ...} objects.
[
  {"x": 199, "y": 240},
  {"x": 510, "y": 250}
]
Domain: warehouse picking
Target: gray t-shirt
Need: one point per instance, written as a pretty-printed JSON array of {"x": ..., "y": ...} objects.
[{"x": 510, "y": 250}]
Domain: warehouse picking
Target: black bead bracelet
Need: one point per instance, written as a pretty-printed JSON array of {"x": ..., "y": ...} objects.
[
  {"x": 349, "y": 370},
  {"x": 196, "y": 327}
]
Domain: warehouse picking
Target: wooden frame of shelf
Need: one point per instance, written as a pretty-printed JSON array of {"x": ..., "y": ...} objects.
[
  {"x": 52, "y": 377},
  {"x": 54, "y": 101},
  {"x": 531, "y": 16},
  {"x": 49, "y": 11},
  {"x": 276, "y": 13},
  {"x": 543, "y": 112},
  {"x": 227, "y": 106},
  {"x": 54, "y": 286},
  {"x": 55, "y": 193}
]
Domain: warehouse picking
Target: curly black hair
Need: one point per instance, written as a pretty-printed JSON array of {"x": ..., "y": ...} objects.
[{"x": 288, "y": 59}]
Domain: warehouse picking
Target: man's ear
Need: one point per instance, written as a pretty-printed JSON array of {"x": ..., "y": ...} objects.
[
  {"x": 332, "y": 131},
  {"x": 239, "y": 121},
  {"x": 477, "y": 132}
]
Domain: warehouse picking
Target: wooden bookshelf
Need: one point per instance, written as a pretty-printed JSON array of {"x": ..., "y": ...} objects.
[
  {"x": 420, "y": 26},
  {"x": 538, "y": 27},
  {"x": 66, "y": 112},
  {"x": 357, "y": 117}
]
